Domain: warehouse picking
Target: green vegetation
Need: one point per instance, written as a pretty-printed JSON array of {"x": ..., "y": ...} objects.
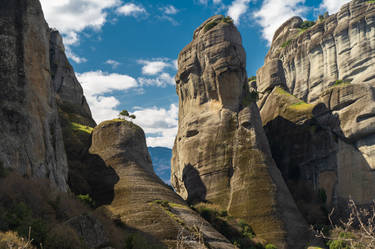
[
  {"x": 306, "y": 25},
  {"x": 3, "y": 171},
  {"x": 167, "y": 207},
  {"x": 252, "y": 79},
  {"x": 81, "y": 128},
  {"x": 238, "y": 232},
  {"x": 270, "y": 246},
  {"x": 213, "y": 23},
  {"x": 87, "y": 200},
  {"x": 322, "y": 195},
  {"x": 341, "y": 82},
  {"x": 124, "y": 114},
  {"x": 371, "y": 1},
  {"x": 285, "y": 44},
  {"x": 341, "y": 242}
]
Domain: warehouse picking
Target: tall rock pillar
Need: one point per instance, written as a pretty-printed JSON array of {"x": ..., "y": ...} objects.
[{"x": 221, "y": 154}]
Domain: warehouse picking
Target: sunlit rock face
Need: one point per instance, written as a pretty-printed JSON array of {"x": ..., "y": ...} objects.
[
  {"x": 221, "y": 154},
  {"x": 141, "y": 200},
  {"x": 31, "y": 139},
  {"x": 317, "y": 105}
]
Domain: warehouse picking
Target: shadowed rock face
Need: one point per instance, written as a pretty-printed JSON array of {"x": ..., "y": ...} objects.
[
  {"x": 69, "y": 93},
  {"x": 141, "y": 199},
  {"x": 317, "y": 127},
  {"x": 31, "y": 139},
  {"x": 221, "y": 153}
]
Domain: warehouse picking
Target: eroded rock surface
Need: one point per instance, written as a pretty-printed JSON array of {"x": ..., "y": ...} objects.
[
  {"x": 221, "y": 154},
  {"x": 31, "y": 139},
  {"x": 141, "y": 199},
  {"x": 317, "y": 105}
]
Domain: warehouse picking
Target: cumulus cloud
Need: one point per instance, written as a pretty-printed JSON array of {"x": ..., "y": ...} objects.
[
  {"x": 153, "y": 67},
  {"x": 333, "y": 5},
  {"x": 237, "y": 9},
  {"x": 159, "y": 124},
  {"x": 205, "y": 2},
  {"x": 274, "y": 13},
  {"x": 97, "y": 84},
  {"x": 162, "y": 80},
  {"x": 63, "y": 15},
  {"x": 131, "y": 9},
  {"x": 113, "y": 63}
]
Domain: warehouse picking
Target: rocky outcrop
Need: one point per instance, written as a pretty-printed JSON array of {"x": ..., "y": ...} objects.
[
  {"x": 69, "y": 92},
  {"x": 90, "y": 229},
  {"x": 338, "y": 47},
  {"x": 31, "y": 139},
  {"x": 221, "y": 154},
  {"x": 317, "y": 106},
  {"x": 141, "y": 199}
]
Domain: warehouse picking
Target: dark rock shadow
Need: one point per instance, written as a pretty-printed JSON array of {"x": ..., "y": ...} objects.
[
  {"x": 194, "y": 185},
  {"x": 306, "y": 155}
]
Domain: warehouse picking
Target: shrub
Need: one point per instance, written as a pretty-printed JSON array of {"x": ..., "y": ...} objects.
[
  {"x": 306, "y": 24},
  {"x": 87, "y": 200},
  {"x": 210, "y": 25},
  {"x": 63, "y": 237},
  {"x": 12, "y": 240},
  {"x": 270, "y": 246}
]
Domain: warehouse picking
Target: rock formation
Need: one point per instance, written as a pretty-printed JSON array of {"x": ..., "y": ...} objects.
[
  {"x": 31, "y": 139},
  {"x": 221, "y": 154},
  {"x": 141, "y": 199},
  {"x": 317, "y": 106}
]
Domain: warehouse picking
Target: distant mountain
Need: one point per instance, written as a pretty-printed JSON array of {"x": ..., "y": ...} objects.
[{"x": 161, "y": 159}]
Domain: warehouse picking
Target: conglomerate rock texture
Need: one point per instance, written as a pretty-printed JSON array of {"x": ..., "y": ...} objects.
[
  {"x": 141, "y": 200},
  {"x": 221, "y": 154},
  {"x": 317, "y": 106},
  {"x": 31, "y": 138}
]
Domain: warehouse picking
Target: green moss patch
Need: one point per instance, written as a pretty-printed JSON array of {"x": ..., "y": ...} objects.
[
  {"x": 81, "y": 128},
  {"x": 213, "y": 23}
]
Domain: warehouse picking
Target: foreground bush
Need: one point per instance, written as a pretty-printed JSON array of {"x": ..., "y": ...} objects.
[{"x": 357, "y": 232}]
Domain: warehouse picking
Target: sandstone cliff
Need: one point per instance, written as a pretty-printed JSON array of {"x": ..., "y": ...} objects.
[
  {"x": 141, "y": 199},
  {"x": 221, "y": 154},
  {"x": 317, "y": 106},
  {"x": 31, "y": 139}
]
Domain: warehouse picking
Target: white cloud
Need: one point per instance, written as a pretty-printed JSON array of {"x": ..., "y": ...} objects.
[
  {"x": 274, "y": 13},
  {"x": 205, "y": 2},
  {"x": 237, "y": 9},
  {"x": 113, "y": 63},
  {"x": 162, "y": 80},
  {"x": 159, "y": 124},
  {"x": 131, "y": 9},
  {"x": 74, "y": 57},
  {"x": 153, "y": 67},
  {"x": 71, "y": 17},
  {"x": 333, "y": 5},
  {"x": 96, "y": 84},
  {"x": 170, "y": 10}
]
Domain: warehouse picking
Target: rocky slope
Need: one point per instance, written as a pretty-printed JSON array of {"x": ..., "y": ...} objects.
[
  {"x": 317, "y": 106},
  {"x": 221, "y": 154},
  {"x": 141, "y": 199},
  {"x": 31, "y": 138}
]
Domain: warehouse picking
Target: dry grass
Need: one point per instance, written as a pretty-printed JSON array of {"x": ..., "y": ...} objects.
[{"x": 11, "y": 240}]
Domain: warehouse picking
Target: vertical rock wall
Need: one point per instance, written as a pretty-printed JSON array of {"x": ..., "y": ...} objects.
[
  {"x": 31, "y": 139},
  {"x": 221, "y": 153}
]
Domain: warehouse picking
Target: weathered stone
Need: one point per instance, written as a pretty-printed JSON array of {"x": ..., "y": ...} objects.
[
  {"x": 69, "y": 91},
  {"x": 221, "y": 154},
  {"x": 90, "y": 229},
  {"x": 31, "y": 139},
  {"x": 141, "y": 199},
  {"x": 327, "y": 144}
]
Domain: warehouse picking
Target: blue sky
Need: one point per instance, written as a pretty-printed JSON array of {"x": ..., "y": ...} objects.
[{"x": 125, "y": 52}]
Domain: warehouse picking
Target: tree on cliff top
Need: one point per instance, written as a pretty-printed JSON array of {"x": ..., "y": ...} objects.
[{"x": 124, "y": 114}]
